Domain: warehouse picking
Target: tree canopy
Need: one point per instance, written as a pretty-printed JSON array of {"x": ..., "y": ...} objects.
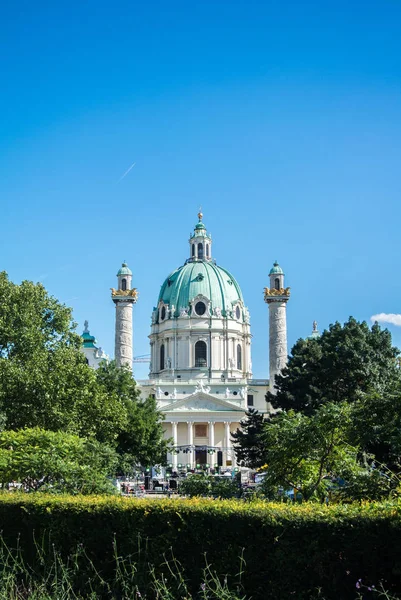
[
  {"x": 307, "y": 452},
  {"x": 44, "y": 379},
  {"x": 344, "y": 363},
  {"x": 248, "y": 440},
  {"x": 337, "y": 418},
  {"x": 46, "y": 383},
  {"x": 140, "y": 440}
]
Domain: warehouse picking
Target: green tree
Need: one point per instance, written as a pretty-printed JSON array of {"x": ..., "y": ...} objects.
[
  {"x": 376, "y": 420},
  {"x": 140, "y": 440},
  {"x": 44, "y": 379},
  {"x": 248, "y": 441},
  {"x": 344, "y": 363},
  {"x": 55, "y": 462},
  {"x": 308, "y": 453}
]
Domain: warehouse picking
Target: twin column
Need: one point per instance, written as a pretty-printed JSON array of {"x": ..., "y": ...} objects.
[{"x": 229, "y": 455}]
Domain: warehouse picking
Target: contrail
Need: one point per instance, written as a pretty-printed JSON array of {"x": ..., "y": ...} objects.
[{"x": 126, "y": 172}]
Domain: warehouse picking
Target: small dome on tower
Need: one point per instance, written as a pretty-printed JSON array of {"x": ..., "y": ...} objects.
[
  {"x": 125, "y": 270},
  {"x": 276, "y": 269},
  {"x": 88, "y": 340}
]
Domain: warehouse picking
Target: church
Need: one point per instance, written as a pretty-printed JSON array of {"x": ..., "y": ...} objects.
[{"x": 200, "y": 351}]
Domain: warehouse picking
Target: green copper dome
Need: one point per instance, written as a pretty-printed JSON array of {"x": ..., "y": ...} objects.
[
  {"x": 88, "y": 340},
  {"x": 125, "y": 270},
  {"x": 200, "y": 277},
  {"x": 276, "y": 269}
]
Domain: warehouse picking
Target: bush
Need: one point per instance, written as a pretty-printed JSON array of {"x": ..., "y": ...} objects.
[
  {"x": 287, "y": 551},
  {"x": 207, "y": 485},
  {"x": 55, "y": 461}
]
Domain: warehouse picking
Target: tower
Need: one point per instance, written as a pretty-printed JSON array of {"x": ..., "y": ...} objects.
[
  {"x": 124, "y": 297},
  {"x": 277, "y": 297},
  {"x": 94, "y": 355}
]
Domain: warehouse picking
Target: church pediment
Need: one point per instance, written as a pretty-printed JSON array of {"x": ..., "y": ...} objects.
[{"x": 200, "y": 401}]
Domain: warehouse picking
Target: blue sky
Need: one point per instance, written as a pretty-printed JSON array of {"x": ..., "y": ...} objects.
[{"x": 282, "y": 119}]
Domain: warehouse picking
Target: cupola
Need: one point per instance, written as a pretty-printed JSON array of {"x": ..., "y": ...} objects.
[
  {"x": 200, "y": 242},
  {"x": 124, "y": 277},
  {"x": 276, "y": 277}
]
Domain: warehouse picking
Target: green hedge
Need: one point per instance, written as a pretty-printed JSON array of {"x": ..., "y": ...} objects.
[{"x": 289, "y": 551}]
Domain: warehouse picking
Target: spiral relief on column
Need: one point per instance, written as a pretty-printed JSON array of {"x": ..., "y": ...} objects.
[
  {"x": 123, "y": 339},
  {"x": 277, "y": 338}
]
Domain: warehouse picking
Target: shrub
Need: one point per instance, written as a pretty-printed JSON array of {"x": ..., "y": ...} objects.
[
  {"x": 55, "y": 461},
  {"x": 288, "y": 551},
  {"x": 207, "y": 485}
]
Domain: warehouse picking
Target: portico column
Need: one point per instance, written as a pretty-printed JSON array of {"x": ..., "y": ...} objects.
[
  {"x": 227, "y": 440},
  {"x": 211, "y": 442},
  {"x": 191, "y": 442},
  {"x": 211, "y": 433},
  {"x": 175, "y": 443}
]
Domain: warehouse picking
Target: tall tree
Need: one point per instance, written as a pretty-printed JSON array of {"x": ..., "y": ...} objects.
[
  {"x": 141, "y": 439},
  {"x": 44, "y": 379},
  {"x": 376, "y": 420},
  {"x": 345, "y": 362},
  {"x": 309, "y": 453},
  {"x": 248, "y": 441}
]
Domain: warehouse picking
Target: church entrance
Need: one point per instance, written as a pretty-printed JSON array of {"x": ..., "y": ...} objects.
[{"x": 200, "y": 457}]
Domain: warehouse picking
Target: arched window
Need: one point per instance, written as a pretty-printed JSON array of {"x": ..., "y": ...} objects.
[
  {"x": 193, "y": 249},
  {"x": 124, "y": 285},
  {"x": 200, "y": 250},
  {"x": 200, "y": 354},
  {"x": 162, "y": 357},
  {"x": 207, "y": 250},
  {"x": 239, "y": 357},
  {"x": 277, "y": 283}
]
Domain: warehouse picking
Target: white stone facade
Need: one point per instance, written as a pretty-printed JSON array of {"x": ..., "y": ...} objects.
[
  {"x": 226, "y": 339},
  {"x": 95, "y": 356},
  {"x": 211, "y": 408}
]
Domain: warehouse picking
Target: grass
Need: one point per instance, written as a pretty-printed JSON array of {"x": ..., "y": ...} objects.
[{"x": 55, "y": 579}]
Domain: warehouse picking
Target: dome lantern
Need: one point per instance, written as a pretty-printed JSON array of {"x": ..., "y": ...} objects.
[
  {"x": 276, "y": 275},
  {"x": 200, "y": 242},
  {"x": 124, "y": 277}
]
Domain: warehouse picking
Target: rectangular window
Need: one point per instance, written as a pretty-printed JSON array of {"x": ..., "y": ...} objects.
[
  {"x": 200, "y": 430},
  {"x": 249, "y": 399}
]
